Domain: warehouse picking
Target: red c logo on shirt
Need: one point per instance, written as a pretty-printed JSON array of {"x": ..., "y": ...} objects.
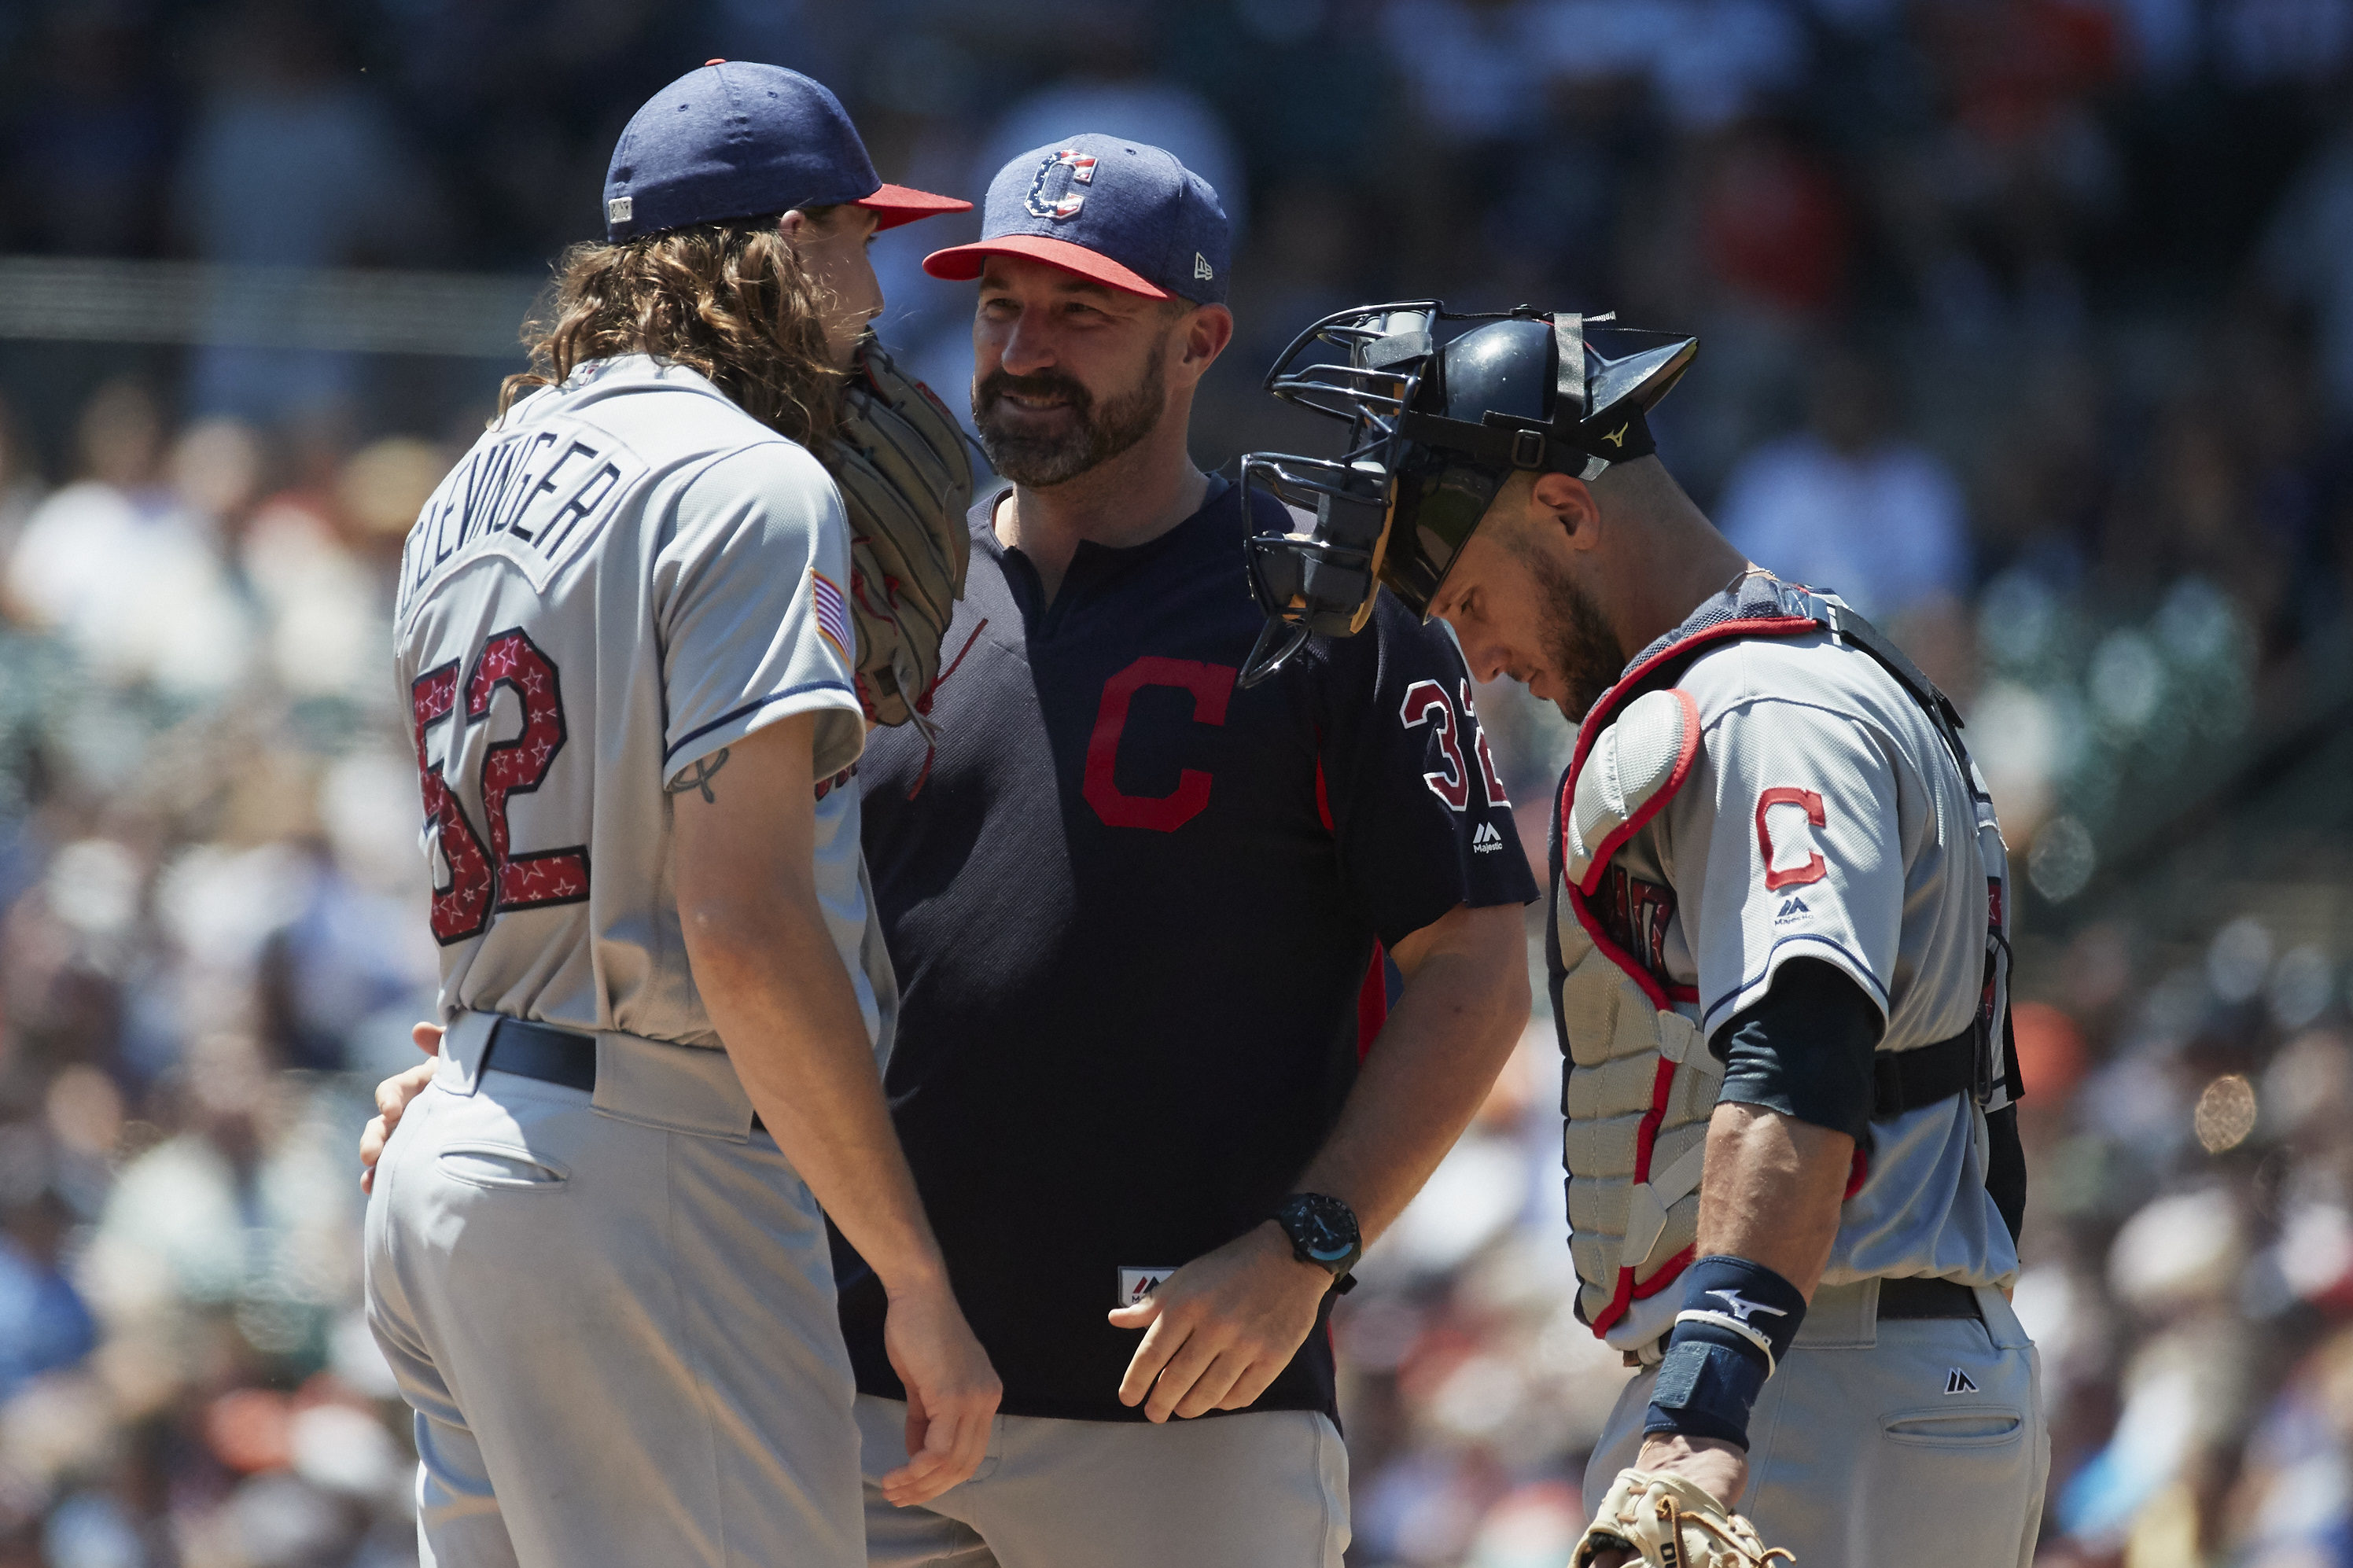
[
  {"x": 1813, "y": 870},
  {"x": 1210, "y": 684}
]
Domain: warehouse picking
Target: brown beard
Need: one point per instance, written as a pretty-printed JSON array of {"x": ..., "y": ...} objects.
[
  {"x": 1577, "y": 642},
  {"x": 1096, "y": 434}
]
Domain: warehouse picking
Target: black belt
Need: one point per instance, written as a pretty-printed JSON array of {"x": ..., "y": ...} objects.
[
  {"x": 1905, "y": 1298},
  {"x": 550, "y": 1055},
  {"x": 1906, "y": 1080},
  {"x": 535, "y": 1050}
]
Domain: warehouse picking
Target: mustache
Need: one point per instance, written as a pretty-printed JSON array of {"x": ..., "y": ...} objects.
[{"x": 1043, "y": 384}]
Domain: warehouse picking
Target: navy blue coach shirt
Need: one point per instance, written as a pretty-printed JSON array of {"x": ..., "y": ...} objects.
[{"x": 1132, "y": 906}]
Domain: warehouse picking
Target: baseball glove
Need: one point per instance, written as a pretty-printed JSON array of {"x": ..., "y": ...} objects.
[
  {"x": 899, "y": 459},
  {"x": 1667, "y": 1523}
]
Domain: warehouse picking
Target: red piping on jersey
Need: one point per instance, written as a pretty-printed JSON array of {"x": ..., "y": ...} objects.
[
  {"x": 1373, "y": 1001},
  {"x": 1373, "y": 995},
  {"x": 1646, "y": 1132}
]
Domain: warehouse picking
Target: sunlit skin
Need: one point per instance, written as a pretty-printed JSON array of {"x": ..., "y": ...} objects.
[
  {"x": 1647, "y": 557},
  {"x": 1630, "y": 540},
  {"x": 1034, "y": 318},
  {"x": 832, "y": 249}
]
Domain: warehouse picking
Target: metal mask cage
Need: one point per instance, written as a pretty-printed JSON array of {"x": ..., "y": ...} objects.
[
  {"x": 1397, "y": 506},
  {"x": 1323, "y": 580}
]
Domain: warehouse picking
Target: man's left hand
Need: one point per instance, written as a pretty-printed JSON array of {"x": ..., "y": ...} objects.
[{"x": 1219, "y": 1329}]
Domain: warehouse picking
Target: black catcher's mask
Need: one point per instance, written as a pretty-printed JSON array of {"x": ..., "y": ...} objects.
[{"x": 1434, "y": 429}]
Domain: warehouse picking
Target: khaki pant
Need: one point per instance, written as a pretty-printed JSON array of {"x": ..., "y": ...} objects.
[
  {"x": 620, "y": 1338},
  {"x": 1866, "y": 1450},
  {"x": 1262, "y": 1489}
]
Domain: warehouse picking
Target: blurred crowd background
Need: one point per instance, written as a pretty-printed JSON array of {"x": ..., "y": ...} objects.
[{"x": 2028, "y": 325}]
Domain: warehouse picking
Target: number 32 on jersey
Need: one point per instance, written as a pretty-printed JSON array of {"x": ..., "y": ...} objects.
[
  {"x": 1426, "y": 703},
  {"x": 485, "y": 881}
]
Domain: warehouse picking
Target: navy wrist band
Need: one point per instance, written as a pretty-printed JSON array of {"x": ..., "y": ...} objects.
[
  {"x": 1737, "y": 1322},
  {"x": 1705, "y": 1390}
]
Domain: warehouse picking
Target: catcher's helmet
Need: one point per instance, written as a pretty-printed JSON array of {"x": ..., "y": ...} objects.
[{"x": 1434, "y": 431}]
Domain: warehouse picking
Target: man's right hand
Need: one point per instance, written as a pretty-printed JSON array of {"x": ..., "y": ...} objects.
[
  {"x": 952, "y": 1392},
  {"x": 392, "y": 1097}
]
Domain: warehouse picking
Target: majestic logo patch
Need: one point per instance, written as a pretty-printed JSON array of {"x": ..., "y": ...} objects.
[
  {"x": 1135, "y": 1284},
  {"x": 1486, "y": 840},
  {"x": 1791, "y": 908},
  {"x": 1958, "y": 1382},
  {"x": 1061, "y": 202},
  {"x": 1740, "y": 1306}
]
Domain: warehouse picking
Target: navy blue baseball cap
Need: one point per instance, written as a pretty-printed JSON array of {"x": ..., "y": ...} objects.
[
  {"x": 1113, "y": 210},
  {"x": 738, "y": 140}
]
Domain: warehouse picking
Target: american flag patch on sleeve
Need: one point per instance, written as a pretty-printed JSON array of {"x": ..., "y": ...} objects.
[{"x": 832, "y": 614}]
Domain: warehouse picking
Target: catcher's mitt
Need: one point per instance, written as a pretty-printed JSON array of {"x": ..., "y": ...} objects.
[
  {"x": 906, "y": 481},
  {"x": 1667, "y": 1523}
]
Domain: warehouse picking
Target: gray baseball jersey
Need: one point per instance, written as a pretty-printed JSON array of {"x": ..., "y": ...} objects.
[
  {"x": 625, "y": 575},
  {"x": 1826, "y": 818}
]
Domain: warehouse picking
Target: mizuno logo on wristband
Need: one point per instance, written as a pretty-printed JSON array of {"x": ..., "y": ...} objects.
[{"x": 1741, "y": 1306}]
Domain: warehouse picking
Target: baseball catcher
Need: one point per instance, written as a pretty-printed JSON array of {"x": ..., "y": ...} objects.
[{"x": 1778, "y": 948}]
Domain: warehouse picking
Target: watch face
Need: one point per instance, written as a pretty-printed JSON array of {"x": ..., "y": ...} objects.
[
  {"x": 1325, "y": 1245},
  {"x": 1322, "y": 1231}
]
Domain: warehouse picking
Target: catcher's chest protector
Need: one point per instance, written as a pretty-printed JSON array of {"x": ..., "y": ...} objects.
[{"x": 1640, "y": 1082}]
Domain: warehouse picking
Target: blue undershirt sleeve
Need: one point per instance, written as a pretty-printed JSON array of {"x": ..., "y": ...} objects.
[{"x": 1805, "y": 1050}]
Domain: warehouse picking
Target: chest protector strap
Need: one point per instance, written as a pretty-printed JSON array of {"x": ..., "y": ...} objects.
[{"x": 1641, "y": 1084}]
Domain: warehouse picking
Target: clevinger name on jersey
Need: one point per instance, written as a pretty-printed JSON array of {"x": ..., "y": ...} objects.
[{"x": 535, "y": 497}]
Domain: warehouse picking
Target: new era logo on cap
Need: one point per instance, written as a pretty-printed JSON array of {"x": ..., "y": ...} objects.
[{"x": 1108, "y": 209}]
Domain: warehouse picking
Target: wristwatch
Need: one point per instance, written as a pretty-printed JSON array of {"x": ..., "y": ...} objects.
[{"x": 1324, "y": 1232}]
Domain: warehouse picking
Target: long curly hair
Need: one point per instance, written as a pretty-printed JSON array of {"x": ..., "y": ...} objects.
[{"x": 729, "y": 301}]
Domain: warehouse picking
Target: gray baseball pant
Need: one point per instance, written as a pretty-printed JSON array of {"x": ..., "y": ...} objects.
[
  {"x": 615, "y": 1322},
  {"x": 1260, "y": 1489},
  {"x": 1917, "y": 1442}
]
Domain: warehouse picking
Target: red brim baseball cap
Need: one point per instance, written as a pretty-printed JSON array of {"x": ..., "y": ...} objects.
[
  {"x": 963, "y": 263},
  {"x": 896, "y": 205}
]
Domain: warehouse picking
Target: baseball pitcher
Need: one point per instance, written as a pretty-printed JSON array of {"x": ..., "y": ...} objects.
[
  {"x": 1778, "y": 951},
  {"x": 641, "y": 658}
]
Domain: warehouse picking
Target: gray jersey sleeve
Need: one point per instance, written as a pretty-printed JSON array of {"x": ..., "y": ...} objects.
[
  {"x": 1795, "y": 812},
  {"x": 750, "y": 605}
]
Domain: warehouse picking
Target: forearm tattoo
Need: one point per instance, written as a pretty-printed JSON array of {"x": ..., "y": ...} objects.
[{"x": 699, "y": 777}]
